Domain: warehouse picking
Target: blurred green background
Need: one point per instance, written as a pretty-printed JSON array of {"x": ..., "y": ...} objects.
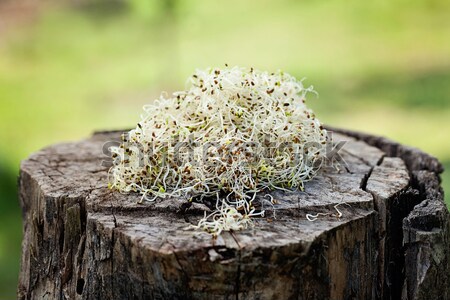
[{"x": 70, "y": 68}]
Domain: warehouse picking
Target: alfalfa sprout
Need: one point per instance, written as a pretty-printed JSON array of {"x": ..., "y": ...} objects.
[{"x": 233, "y": 133}]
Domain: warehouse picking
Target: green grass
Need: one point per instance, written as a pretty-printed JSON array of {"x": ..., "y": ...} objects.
[
  {"x": 381, "y": 67},
  {"x": 10, "y": 233},
  {"x": 446, "y": 181}
]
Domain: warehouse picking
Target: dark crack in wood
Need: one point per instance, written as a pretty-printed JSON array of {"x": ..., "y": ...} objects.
[{"x": 84, "y": 241}]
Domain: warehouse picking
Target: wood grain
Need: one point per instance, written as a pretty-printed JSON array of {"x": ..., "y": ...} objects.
[{"x": 84, "y": 241}]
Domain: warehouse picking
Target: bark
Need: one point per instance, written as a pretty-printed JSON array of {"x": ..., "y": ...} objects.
[{"x": 84, "y": 241}]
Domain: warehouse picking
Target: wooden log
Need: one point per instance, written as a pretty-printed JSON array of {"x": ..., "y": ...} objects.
[{"x": 84, "y": 241}]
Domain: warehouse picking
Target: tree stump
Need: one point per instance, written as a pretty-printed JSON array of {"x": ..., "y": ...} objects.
[{"x": 84, "y": 241}]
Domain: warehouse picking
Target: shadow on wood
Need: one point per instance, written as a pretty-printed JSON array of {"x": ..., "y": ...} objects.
[{"x": 84, "y": 241}]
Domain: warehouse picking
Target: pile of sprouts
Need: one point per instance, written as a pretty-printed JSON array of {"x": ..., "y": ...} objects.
[{"x": 233, "y": 133}]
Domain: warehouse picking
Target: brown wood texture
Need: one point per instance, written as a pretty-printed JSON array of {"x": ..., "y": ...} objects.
[{"x": 84, "y": 241}]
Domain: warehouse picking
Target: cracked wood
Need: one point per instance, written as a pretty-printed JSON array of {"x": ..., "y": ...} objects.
[{"x": 84, "y": 241}]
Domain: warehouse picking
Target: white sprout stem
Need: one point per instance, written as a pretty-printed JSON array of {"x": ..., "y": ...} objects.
[
  {"x": 313, "y": 218},
  {"x": 231, "y": 108}
]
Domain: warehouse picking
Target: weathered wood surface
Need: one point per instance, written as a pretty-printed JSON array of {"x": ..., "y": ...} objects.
[
  {"x": 83, "y": 241},
  {"x": 425, "y": 228}
]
